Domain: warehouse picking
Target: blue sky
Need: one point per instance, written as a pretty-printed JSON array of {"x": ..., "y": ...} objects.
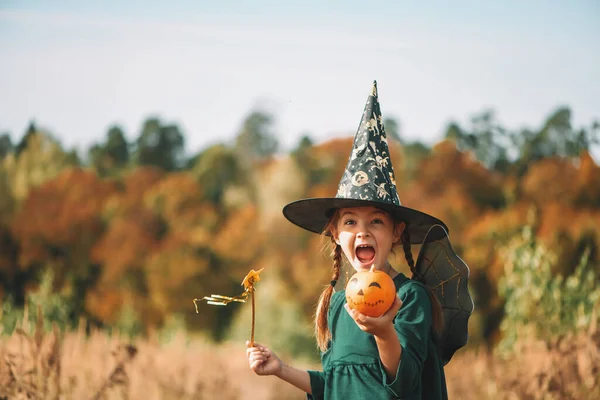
[{"x": 77, "y": 67}]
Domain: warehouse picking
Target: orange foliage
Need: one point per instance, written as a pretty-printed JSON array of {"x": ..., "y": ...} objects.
[
  {"x": 134, "y": 185},
  {"x": 149, "y": 248},
  {"x": 174, "y": 273},
  {"x": 333, "y": 153},
  {"x": 176, "y": 197},
  {"x": 454, "y": 187},
  {"x": 126, "y": 244},
  {"x": 61, "y": 213},
  {"x": 552, "y": 179},
  {"x": 563, "y": 228},
  {"x": 105, "y": 302},
  {"x": 239, "y": 240},
  {"x": 588, "y": 181},
  {"x": 331, "y": 157}
]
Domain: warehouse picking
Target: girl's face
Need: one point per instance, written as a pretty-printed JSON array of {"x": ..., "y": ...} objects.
[{"x": 366, "y": 235}]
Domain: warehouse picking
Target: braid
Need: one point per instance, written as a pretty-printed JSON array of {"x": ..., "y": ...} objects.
[
  {"x": 437, "y": 314},
  {"x": 321, "y": 323}
]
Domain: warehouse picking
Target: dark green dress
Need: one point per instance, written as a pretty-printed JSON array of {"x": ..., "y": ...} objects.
[{"x": 352, "y": 369}]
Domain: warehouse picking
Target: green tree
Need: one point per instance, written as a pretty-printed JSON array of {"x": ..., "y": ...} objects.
[
  {"x": 256, "y": 140},
  {"x": 540, "y": 303},
  {"x": 217, "y": 168},
  {"x": 6, "y": 146},
  {"x": 160, "y": 145},
  {"x": 304, "y": 145},
  {"x": 392, "y": 129},
  {"x": 112, "y": 155},
  {"x": 29, "y": 133},
  {"x": 556, "y": 137},
  {"x": 487, "y": 140},
  {"x": 117, "y": 146},
  {"x": 38, "y": 157},
  {"x": 304, "y": 155}
]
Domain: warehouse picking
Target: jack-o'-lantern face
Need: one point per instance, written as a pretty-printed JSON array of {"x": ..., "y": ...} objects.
[{"x": 370, "y": 292}]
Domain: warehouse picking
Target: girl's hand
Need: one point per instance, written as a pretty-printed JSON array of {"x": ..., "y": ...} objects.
[
  {"x": 377, "y": 326},
  {"x": 262, "y": 360}
]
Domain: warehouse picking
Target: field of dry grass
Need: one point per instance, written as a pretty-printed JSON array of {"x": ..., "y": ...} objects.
[{"x": 76, "y": 366}]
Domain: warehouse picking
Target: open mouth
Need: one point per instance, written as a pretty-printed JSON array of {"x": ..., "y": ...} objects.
[{"x": 365, "y": 253}]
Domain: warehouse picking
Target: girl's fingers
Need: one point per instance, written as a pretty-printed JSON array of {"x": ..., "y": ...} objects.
[
  {"x": 356, "y": 316},
  {"x": 257, "y": 357},
  {"x": 257, "y": 348},
  {"x": 254, "y": 354},
  {"x": 257, "y": 345},
  {"x": 254, "y": 365}
]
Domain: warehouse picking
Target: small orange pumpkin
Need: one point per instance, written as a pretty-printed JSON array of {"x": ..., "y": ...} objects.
[{"x": 370, "y": 292}]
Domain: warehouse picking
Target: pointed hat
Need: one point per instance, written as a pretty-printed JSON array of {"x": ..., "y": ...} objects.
[{"x": 367, "y": 181}]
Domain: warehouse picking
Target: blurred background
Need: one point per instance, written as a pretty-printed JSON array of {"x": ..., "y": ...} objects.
[{"x": 146, "y": 151}]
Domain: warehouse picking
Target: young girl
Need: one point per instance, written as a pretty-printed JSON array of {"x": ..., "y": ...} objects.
[{"x": 392, "y": 356}]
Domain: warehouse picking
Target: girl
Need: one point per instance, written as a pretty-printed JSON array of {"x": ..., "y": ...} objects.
[{"x": 391, "y": 356}]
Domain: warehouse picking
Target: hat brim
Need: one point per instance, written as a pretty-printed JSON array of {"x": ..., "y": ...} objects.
[{"x": 313, "y": 214}]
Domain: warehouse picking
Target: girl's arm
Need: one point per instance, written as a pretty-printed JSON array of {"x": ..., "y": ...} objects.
[
  {"x": 296, "y": 377},
  {"x": 390, "y": 351},
  {"x": 264, "y": 362}
]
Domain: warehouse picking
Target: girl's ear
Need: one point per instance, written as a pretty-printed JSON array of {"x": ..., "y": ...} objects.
[{"x": 398, "y": 230}]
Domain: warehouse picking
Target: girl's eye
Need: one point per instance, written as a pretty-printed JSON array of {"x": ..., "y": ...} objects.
[
  {"x": 377, "y": 221},
  {"x": 349, "y": 222}
]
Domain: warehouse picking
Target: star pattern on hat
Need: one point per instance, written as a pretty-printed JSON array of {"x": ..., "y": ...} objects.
[{"x": 369, "y": 174}]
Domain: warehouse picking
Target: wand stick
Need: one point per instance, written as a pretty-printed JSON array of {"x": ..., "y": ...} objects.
[
  {"x": 253, "y": 318},
  {"x": 249, "y": 290}
]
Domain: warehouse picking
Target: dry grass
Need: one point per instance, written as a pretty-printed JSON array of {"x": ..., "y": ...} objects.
[
  {"x": 568, "y": 368},
  {"x": 76, "y": 366}
]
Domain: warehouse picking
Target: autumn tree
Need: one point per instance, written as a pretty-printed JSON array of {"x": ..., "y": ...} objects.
[
  {"x": 56, "y": 227},
  {"x": 132, "y": 231},
  {"x": 37, "y": 158}
]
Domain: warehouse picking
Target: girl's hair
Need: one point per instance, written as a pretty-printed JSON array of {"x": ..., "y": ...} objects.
[{"x": 322, "y": 332}]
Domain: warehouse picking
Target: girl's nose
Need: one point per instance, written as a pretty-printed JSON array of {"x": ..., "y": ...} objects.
[{"x": 363, "y": 234}]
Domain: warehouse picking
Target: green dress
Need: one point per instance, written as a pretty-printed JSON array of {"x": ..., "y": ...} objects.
[{"x": 352, "y": 369}]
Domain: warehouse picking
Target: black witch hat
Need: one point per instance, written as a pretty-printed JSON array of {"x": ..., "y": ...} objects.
[{"x": 367, "y": 181}]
